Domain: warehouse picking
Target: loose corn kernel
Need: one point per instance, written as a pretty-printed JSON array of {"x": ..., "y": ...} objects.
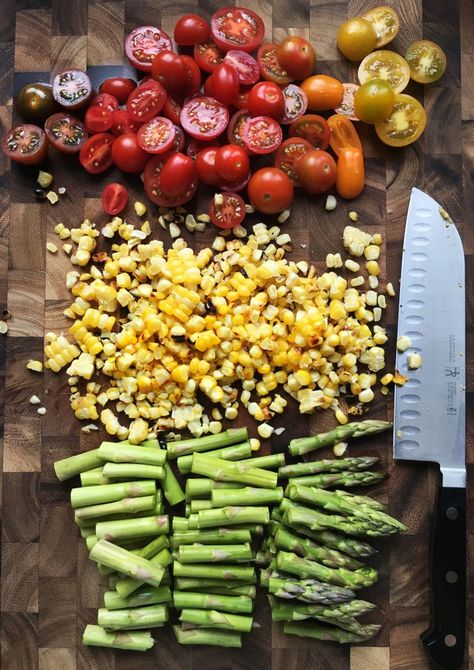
[
  {"x": 284, "y": 216},
  {"x": 372, "y": 252},
  {"x": 414, "y": 361},
  {"x": 351, "y": 265},
  {"x": 44, "y": 179},
  {"x": 35, "y": 366},
  {"x": 403, "y": 343},
  {"x": 52, "y": 197},
  {"x": 41, "y": 411},
  {"x": 390, "y": 289},
  {"x": 373, "y": 281},
  {"x": 340, "y": 449},
  {"x": 386, "y": 379},
  {"x": 353, "y": 216},
  {"x": 140, "y": 208},
  {"x": 367, "y": 395},
  {"x": 215, "y": 427},
  {"x": 357, "y": 281},
  {"x": 51, "y": 247},
  {"x": 341, "y": 417},
  {"x": 373, "y": 268},
  {"x": 331, "y": 203},
  {"x": 265, "y": 430}
]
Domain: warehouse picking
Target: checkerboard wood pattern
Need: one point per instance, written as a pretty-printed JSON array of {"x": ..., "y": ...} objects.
[{"x": 49, "y": 589}]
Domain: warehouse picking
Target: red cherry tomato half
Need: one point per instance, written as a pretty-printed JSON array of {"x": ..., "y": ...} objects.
[
  {"x": 262, "y": 135},
  {"x": 96, "y": 154},
  {"x": 195, "y": 146},
  {"x": 317, "y": 171},
  {"x": 237, "y": 28},
  {"x": 114, "y": 198},
  {"x": 128, "y": 155},
  {"x": 206, "y": 167},
  {"x": 266, "y": 99},
  {"x": 171, "y": 110},
  {"x": 66, "y": 133},
  {"x": 248, "y": 70},
  {"x": 168, "y": 69},
  {"x": 235, "y": 129},
  {"x": 25, "y": 144},
  {"x": 270, "y": 190},
  {"x": 106, "y": 100},
  {"x": 270, "y": 68},
  {"x": 122, "y": 123},
  {"x": 98, "y": 119},
  {"x": 119, "y": 87},
  {"x": 178, "y": 175},
  {"x": 288, "y": 155},
  {"x": 225, "y": 83},
  {"x": 191, "y": 29},
  {"x": 192, "y": 76},
  {"x": 204, "y": 118},
  {"x": 157, "y": 136},
  {"x": 178, "y": 142},
  {"x": 209, "y": 87},
  {"x": 229, "y": 213},
  {"x": 313, "y": 128},
  {"x": 208, "y": 56},
  {"x": 153, "y": 189},
  {"x": 296, "y": 103},
  {"x": 72, "y": 89},
  {"x": 232, "y": 163},
  {"x": 142, "y": 45},
  {"x": 146, "y": 101}
]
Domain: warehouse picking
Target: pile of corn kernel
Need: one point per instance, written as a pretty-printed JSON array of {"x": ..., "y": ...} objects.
[{"x": 156, "y": 330}]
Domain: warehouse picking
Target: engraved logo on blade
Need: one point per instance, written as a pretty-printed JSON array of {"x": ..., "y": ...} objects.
[{"x": 451, "y": 373}]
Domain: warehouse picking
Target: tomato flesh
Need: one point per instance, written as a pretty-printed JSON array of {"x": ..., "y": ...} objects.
[
  {"x": 270, "y": 68},
  {"x": 146, "y": 101},
  {"x": 296, "y": 103},
  {"x": 385, "y": 22},
  {"x": 208, "y": 56},
  {"x": 288, "y": 155},
  {"x": 114, "y": 198},
  {"x": 157, "y": 136},
  {"x": 25, "y": 144},
  {"x": 237, "y": 28},
  {"x": 405, "y": 124},
  {"x": 229, "y": 213},
  {"x": 426, "y": 60},
  {"x": 313, "y": 128},
  {"x": 262, "y": 134},
  {"x": 204, "y": 118},
  {"x": 387, "y": 65},
  {"x": 347, "y": 105},
  {"x": 122, "y": 123},
  {"x": 142, "y": 45},
  {"x": 248, "y": 69},
  {"x": 65, "y": 132},
  {"x": 96, "y": 153},
  {"x": 72, "y": 89},
  {"x": 235, "y": 128},
  {"x": 171, "y": 110}
]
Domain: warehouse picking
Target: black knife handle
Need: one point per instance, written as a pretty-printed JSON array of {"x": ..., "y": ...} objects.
[{"x": 445, "y": 638}]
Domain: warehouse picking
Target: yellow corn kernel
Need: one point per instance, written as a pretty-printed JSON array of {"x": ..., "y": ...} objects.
[{"x": 36, "y": 366}]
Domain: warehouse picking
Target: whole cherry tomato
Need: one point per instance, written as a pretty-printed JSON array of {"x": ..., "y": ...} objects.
[
  {"x": 206, "y": 167},
  {"x": 323, "y": 92},
  {"x": 266, "y": 99},
  {"x": 270, "y": 190},
  {"x": 168, "y": 69},
  {"x": 296, "y": 56},
  {"x": 191, "y": 29},
  {"x": 350, "y": 172},
  {"x": 128, "y": 155},
  {"x": 178, "y": 175},
  {"x": 232, "y": 162},
  {"x": 224, "y": 83},
  {"x": 119, "y": 87},
  {"x": 316, "y": 171}
]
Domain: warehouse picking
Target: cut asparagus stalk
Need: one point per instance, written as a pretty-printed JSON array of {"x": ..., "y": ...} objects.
[
  {"x": 351, "y": 464},
  {"x": 134, "y": 618},
  {"x": 199, "y": 584},
  {"x": 212, "y": 536},
  {"x": 215, "y": 619},
  {"x": 133, "y": 471},
  {"x": 332, "y": 558},
  {"x": 132, "y": 528},
  {"x": 349, "y": 525},
  {"x": 250, "y": 591},
  {"x": 301, "y": 567},
  {"x": 217, "y": 553},
  {"x": 202, "y": 488},
  {"x": 94, "y": 477},
  {"x": 304, "y": 445},
  {"x": 309, "y": 590},
  {"x": 193, "y": 445},
  {"x": 196, "y": 506},
  {"x": 284, "y": 611},
  {"x": 126, "y": 506},
  {"x": 95, "y": 495},
  {"x": 348, "y": 479},
  {"x": 269, "y": 462},
  {"x": 145, "y": 595},
  {"x": 221, "y": 638},
  {"x": 133, "y": 641},
  {"x": 234, "y": 452},
  {"x": 247, "y": 496},
  {"x": 122, "y": 452},
  {"x": 218, "y": 469},
  {"x": 74, "y": 465},
  {"x": 329, "y": 633},
  {"x": 207, "y": 571},
  {"x": 87, "y": 531},
  {"x": 235, "y": 604},
  {"x": 232, "y": 515},
  {"x": 125, "y": 586},
  {"x": 174, "y": 494},
  {"x": 124, "y": 561},
  {"x": 180, "y": 523}
]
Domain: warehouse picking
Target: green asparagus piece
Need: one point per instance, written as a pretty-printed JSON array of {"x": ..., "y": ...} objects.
[
  {"x": 197, "y": 505},
  {"x": 329, "y": 633},
  {"x": 220, "y": 638},
  {"x": 127, "y": 563},
  {"x": 236, "y": 604},
  {"x": 232, "y": 515},
  {"x": 349, "y": 525},
  {"x": 204, "y": 584},
  {"x": 234, "y": 452},
  {"x": 327, "y": 480},
  {"x": 127, "y": 506},
  {"x": 301, "y": 567},
  {"x": 131, "y": 640},
  {"x": 145, "y": 595},
  {"x": 174, "y": 494},
  {"x": 284, "y": 611},
  {"x": 133, "y": 471},
  {"x": 87, "y": 531},
  {"x": 203, "y": 487},
  {"x": 128, "y": 528},
  {"x": 328, "y": 465},
  {"x": 125, "y": 586},
  {"x": 206, "y": 443},
  {"x": 215, "y": 619},
  {"x": 74, "y": 465},
  {"x": 216, "y": 553},
  {"x": 304, "y": 445},
  {"x": 180, "y": 523},
  {"x": 309, "y": 590},
  {"x": 331, "y": 558},
  {"x": 267, "y": 462},
  {"x": 133, "y": 619},
  {"x": 249, "y": 495},
  {"x": 94, "y": 477},
  {"x": 209, "y": 571},
  {"x": 217, "y": 468},
  {"x": 106, "y": 493},
  {"x": 122, "y": 452},
  {"x": 362, "y": 501},
  {"x": 211, "y": 536}
]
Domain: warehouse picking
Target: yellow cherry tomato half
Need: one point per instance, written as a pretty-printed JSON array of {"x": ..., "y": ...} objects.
[
  {"x": 343, "y": 133},
  {"x": 405, "y": 124},
  {"x": 373, "y": 101},
  {"x": 386, "y": 65},
  {"x": 356, "y": 38},
  {"x": 347, "y": 105},
  {"x": 426, "y": 60},
  {"x": 385, "y": 22}
]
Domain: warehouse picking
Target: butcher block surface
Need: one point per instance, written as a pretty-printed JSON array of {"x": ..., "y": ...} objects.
[{"x": 49, "y": 588}]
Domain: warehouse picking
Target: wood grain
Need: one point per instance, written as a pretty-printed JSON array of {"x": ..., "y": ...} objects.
[{"x": 49, "y": 588}]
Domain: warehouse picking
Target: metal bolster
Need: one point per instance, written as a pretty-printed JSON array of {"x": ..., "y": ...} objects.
[{"x": 454, "y": 477}]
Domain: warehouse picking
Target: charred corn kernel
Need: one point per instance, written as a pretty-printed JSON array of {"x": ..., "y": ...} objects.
[
  {"x": 372, "y": 252},
  {"x": 140, "y": 208},
  {"x": 403, "y": 343},
  {"x": 373, "y": 281},
  {"x": 373, "y": 268},
  {"x": 390, "y": 289},
  {"x": 265, "y": 430},
  {"x": 35, "y": 366},
  {"x": 365, "y": 396},
  {"x": 339, "y": 449},
  {"x": 386, "y": 379},
  {"x": 414, "y": 361},
  {"x": 340, "y": 416}
]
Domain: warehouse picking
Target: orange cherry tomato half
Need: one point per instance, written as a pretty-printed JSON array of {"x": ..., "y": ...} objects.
[
  {"x": 323, "y": 92},
  {"x": 343, "y": 133},
  {"x": 350, "y": 172}
]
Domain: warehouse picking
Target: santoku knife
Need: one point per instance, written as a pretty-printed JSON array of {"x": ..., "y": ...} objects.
[{"x": 429, "y": 414}]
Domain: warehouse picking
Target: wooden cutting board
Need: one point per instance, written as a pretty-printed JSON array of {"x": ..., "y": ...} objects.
[{"x": 49, "y": 589}]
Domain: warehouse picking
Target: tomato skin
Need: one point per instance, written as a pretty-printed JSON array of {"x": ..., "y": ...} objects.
[
  {"x": 230, "y": 213},
  {"x": 25, "y": 144},
  {"x": 350, "y": 173},
  {"x": 356, "y": 38},
  {"x": 270, "y": 68},
  {"x": 343, "y": 133},
  {"x": 204, "y": 118},
  {"x": 206, "y": 167},
  {"x": 65, "y": 132},
  {"x": 178, "y": 174},
  {"x": 270, "y": 190},
  {"x": 128, "y": 155},
  {"x": 157, "y": 135},
  {"x": 224, "y": 83},
  {"x": 323, "y": 92},
  {"x": 242, "y": 99},
  {"x": 168, "y": 69},
  {"x": 106, "y": 100},
  {"x": 114, "y": 198},
  {"x": 152, "y": 184},
  {"x": 208, "y": 56},
  {"x": 374, "y": 101},
  {"x": 122, "y": 123},
  {"x": 237, "y": 28},
  {"x": 96, "y": 154},
  {"x": 266, "y": 99},
  {"x": 261, "y": 135},
  {"x": 234, "y": 186},
  {"x": 146, "y": 101},
  {"x": 142, "y": 45},
  {"x": 119, "y": 87},
  {"x": 35, "y": 102},
  {"x": 316, "y": 171},
  {"x": 288, "y": 156},
  {"x": 296, "y": 56},
  {"x": 191, "y": 29},
  {"x": 195, "y": 146},
  {"x": 313, "y": 128},
  {"x": 232, "y": 162},
  {"x": 98, "y": 119},
  {"x": 192, "y": 76}
]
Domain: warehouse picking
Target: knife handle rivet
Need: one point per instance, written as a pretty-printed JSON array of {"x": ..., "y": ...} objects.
[
  {"x": 452, "y": 513},
  {"x": 451, "y": 577},
  {"x": 450, "y": 640}
]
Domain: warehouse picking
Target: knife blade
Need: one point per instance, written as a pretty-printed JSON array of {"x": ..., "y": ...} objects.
[{"x": 429, "y": 411}]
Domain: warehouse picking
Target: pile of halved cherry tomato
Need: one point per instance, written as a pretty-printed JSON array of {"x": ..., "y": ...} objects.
[{"x": 201, "y": 113}]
